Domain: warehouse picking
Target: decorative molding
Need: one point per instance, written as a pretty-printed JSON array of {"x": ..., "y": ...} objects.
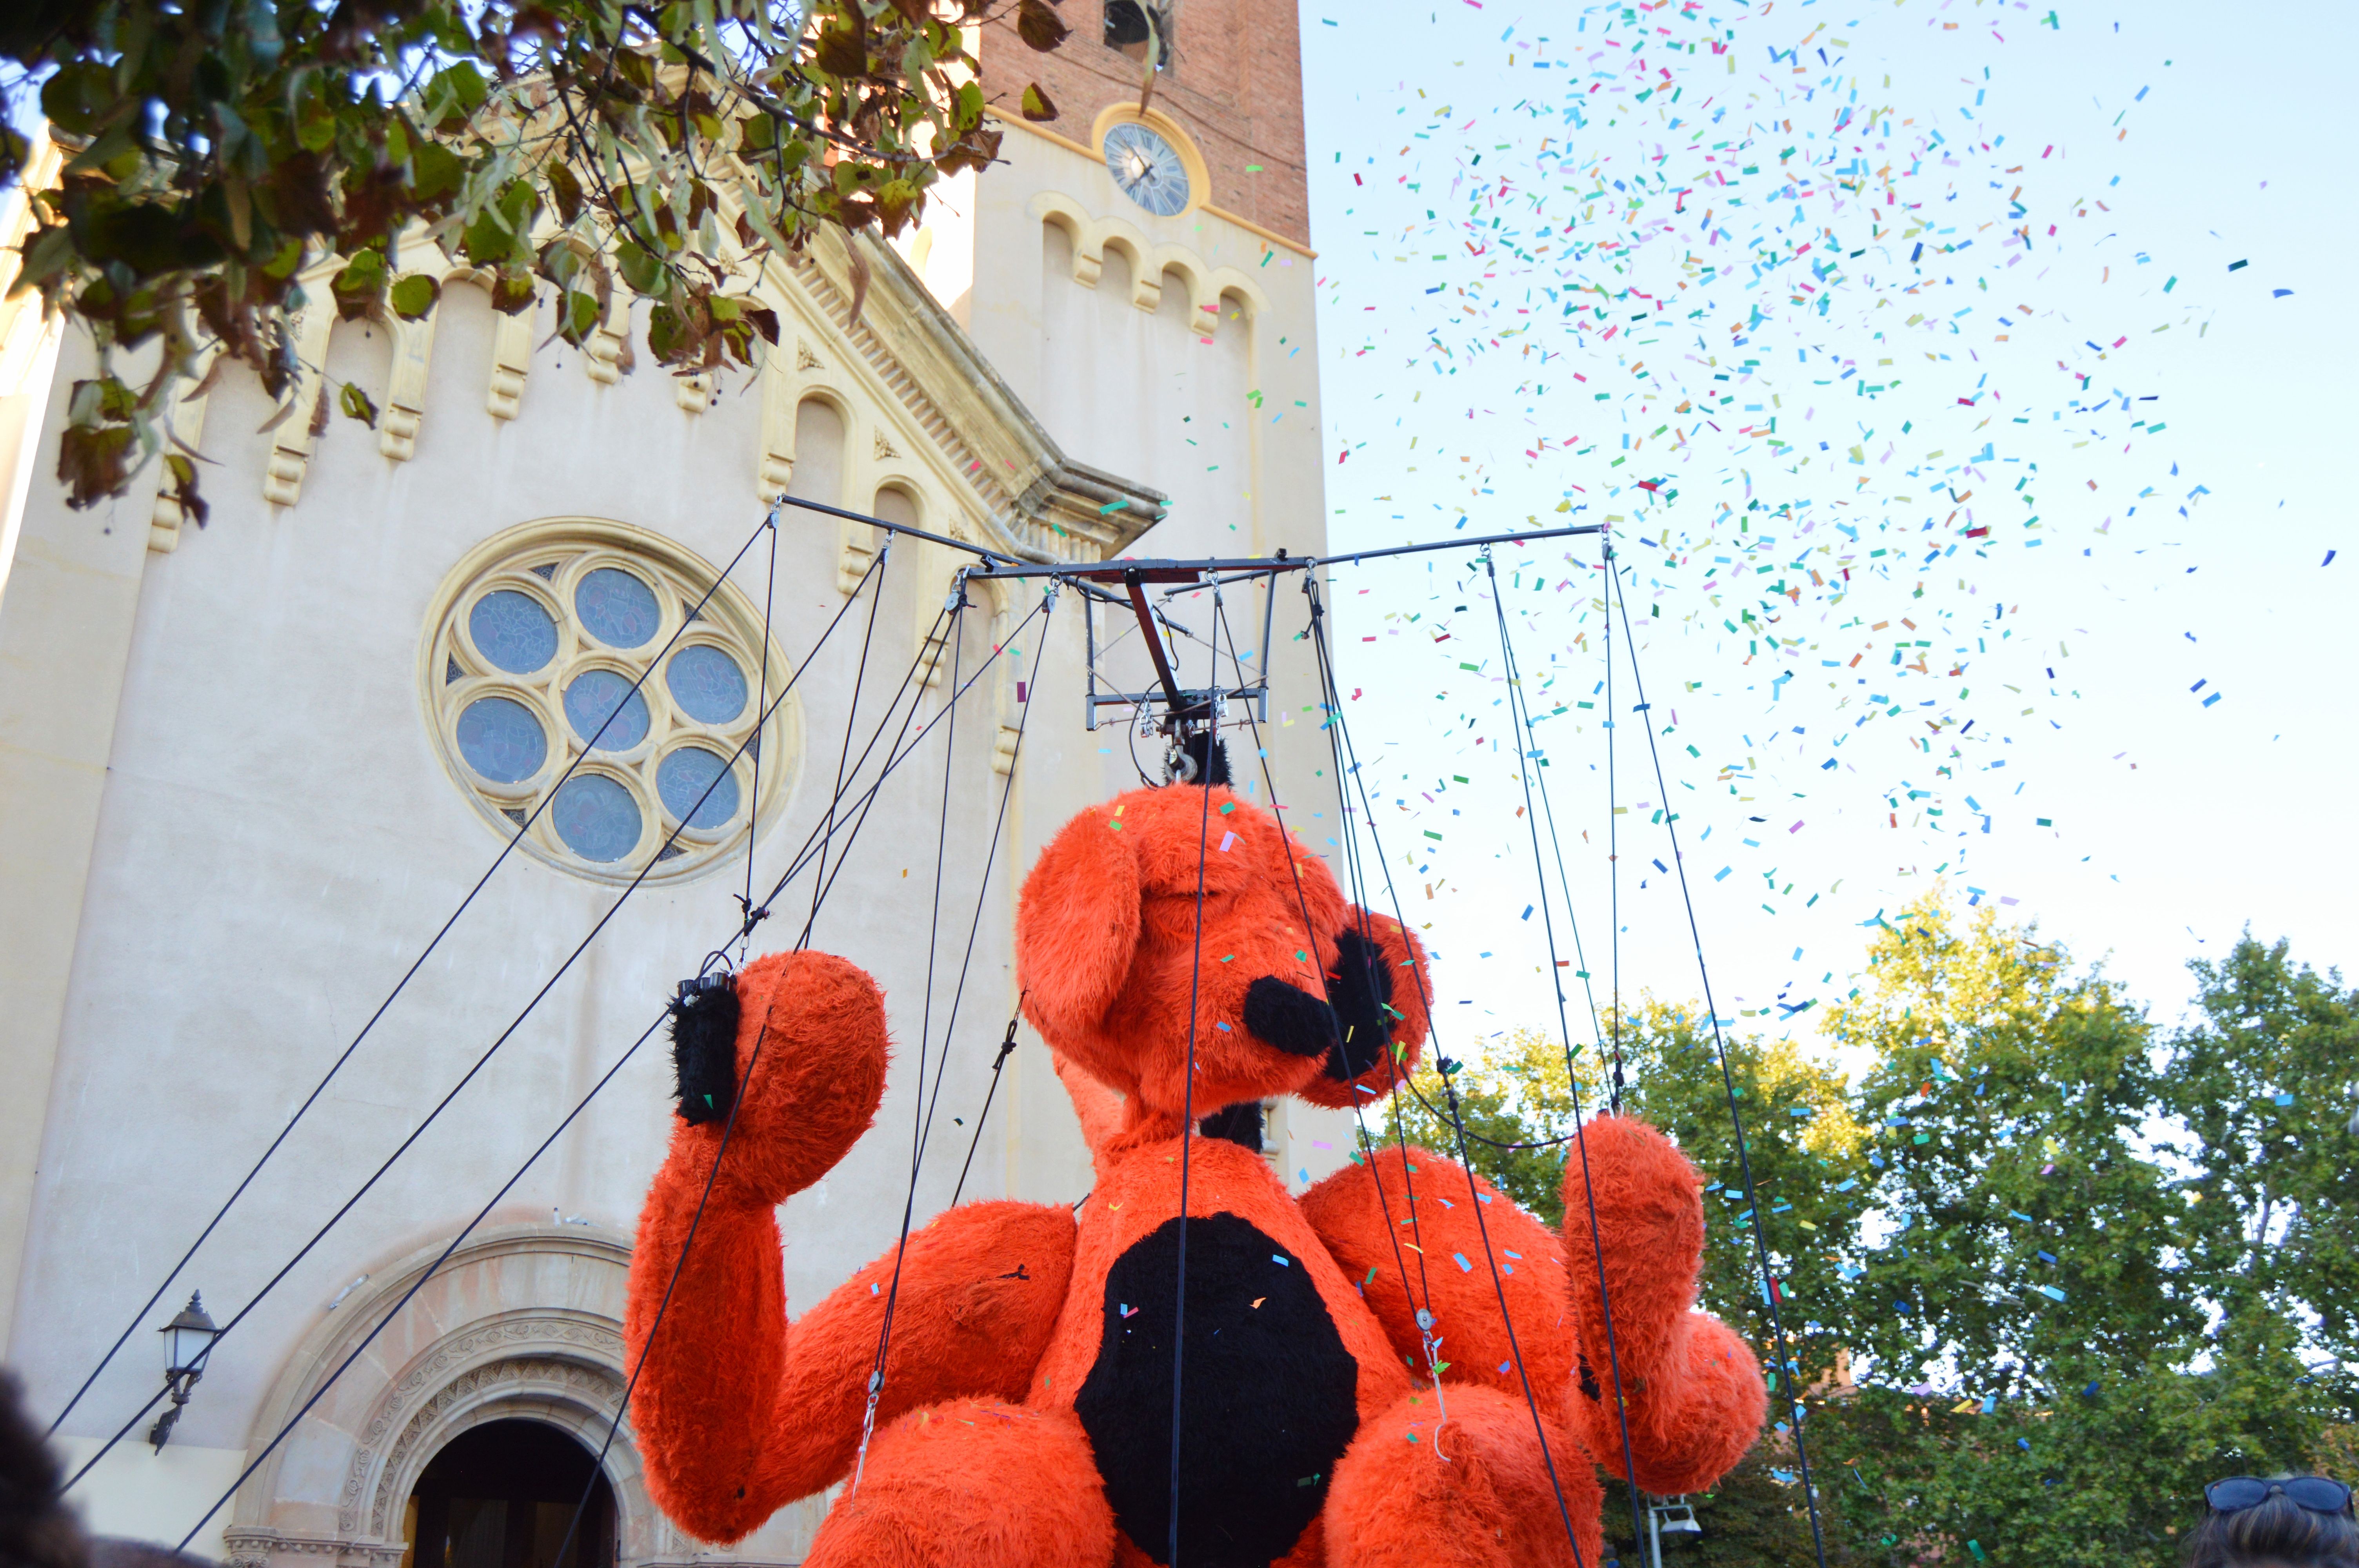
[
  {"x": 776, "y": 472},
  {"x": 248, "y": 1547},
  {"x": 405, "y": 387},
  {"x": 610, "y": 341},
  {"x": 1149, "y": 261},
  {"x": 883, "y": 446},
  {"x": 859, "y": 545},
  {"x": 693, "y": 393},
  {"x": 185, "y": 425},
  {"x": 511, "y": 361},
  {"x": 1037, "y": 503},
  {"x": 805, "y": 359},
  {"x": 597, "y": 1386},
  {"x": 291, "y": 442}
]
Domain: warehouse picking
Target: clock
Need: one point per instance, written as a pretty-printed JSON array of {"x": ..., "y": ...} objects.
[{"x": 1147, "y": 169}]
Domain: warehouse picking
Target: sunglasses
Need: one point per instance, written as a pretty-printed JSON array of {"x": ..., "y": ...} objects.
[{"x": 2316, "y": 1493}]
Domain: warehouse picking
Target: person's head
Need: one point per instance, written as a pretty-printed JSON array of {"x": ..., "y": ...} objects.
[
  {"x": 35, "y": 1529},
  {"x": 2285, "y": 1521}
]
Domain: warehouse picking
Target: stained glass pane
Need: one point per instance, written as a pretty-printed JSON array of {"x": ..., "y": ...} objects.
[
  {"x": 707, "y": 683},
  {"x": 682, "y": 778},
  {"x": 592, "y": 696},
  {"x": 618, "y": 608},
  {"x": 501, "y": 740},
  {"x": 596, "y": 818},
  {"x": 513, "y": 630}
]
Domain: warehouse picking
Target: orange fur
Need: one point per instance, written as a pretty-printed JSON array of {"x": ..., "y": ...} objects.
[
  {"x": 1344, "y": 1210},
  {"x": 979, "y": 1457},
  {"x": 1691, "y": 1391},
  {"x": 1471, "y": 1491},
  {"x": 979, "y": 1484}
]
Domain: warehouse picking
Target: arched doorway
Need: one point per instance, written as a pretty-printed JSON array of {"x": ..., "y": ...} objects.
[{"x": 502, "y": 1495}]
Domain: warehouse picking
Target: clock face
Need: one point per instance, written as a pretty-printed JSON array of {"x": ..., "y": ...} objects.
[{"x": 1147, "y": 169}]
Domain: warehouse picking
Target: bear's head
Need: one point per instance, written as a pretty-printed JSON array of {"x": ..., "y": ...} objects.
[{"x": 1293, "y": 989}]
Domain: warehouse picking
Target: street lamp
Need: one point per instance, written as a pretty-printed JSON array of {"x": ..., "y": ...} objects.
[
  {"x": 188, "y": 1340},
  {"x": 1670, "y": 1523}
]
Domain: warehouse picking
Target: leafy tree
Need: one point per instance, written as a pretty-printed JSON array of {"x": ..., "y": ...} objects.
[
  {"x": 2050, "y": 1376},
  {"x": 1751, "y": 1519},
  {"x": 216, "y": 151},
  {"x": 1516, "y": 1094},
  {"x": 2263, "y": 1082},
  {"x": 2079, "y": 1268}
]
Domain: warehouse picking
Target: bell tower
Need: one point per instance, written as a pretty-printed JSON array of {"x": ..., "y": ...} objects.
[{"x": 1138, "y": 269}]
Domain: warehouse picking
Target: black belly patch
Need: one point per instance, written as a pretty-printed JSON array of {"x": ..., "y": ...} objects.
[{"x": 1269, "y": 1398}]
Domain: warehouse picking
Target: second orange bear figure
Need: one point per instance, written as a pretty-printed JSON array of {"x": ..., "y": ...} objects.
[{"x": 1025, "y": 1417}]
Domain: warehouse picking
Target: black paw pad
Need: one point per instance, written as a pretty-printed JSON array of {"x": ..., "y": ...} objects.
[
  {"x": 1292, "y": 1020},
  {"x": 1358, "y": 989},
  {"x": 704, "y": 1047}
]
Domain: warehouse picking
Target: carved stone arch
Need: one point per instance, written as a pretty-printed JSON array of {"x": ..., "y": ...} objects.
[
  {"x": 1197, "y": 279},
  {"x": 1059, "y": 212},
  {"x": 525, "y": 1321},
  {"x": 1145, "y": 275},
  {"x": 511, "y": 338}
]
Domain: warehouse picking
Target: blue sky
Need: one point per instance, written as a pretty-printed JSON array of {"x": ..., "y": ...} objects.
[{"x": 2089, "y": 486}]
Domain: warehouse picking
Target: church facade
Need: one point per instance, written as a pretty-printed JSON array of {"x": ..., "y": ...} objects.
[{"x": 525, "y": 650}]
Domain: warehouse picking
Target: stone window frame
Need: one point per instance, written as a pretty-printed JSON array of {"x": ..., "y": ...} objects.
[{"x": 544, "y": 559}]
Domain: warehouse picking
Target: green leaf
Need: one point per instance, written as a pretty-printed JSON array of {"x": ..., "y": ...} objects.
[
  {"x": 513, "y": 290},
  {"x": 639, "y": 269},
  {"x": 360, "y": 286},
  {"x": 455, "y": 93},
  {"x": 966, "y": 107},
  {"x": 581, "y": 315},
  {"x": 356, "y": 404},
  {"x": 435, "y": 172},
  {"x": 413, "y": 295},
  {"x": 79, "y": 97},
  {"x": 1036, "y": 106}
]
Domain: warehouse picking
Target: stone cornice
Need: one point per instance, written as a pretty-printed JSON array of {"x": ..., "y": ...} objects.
[{"x": 1040, "y": 504}]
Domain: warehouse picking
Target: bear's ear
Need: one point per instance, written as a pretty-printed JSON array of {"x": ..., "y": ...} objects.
[{"x": 1077, "y": 926}]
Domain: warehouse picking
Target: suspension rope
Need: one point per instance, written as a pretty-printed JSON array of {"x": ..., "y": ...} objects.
[
  {"x": 1330, "y": 698},
  {"x": 1614, "y": 818},
  {"x": 1396, "y": 1079},
  {"x": 851, "y": 718},
  {"x": 598, "y": 1465},
  {"x": 1536, "y": 777},
  {"x": 925, "y": 1033},
  {"x": 1526, "y": 765},
  {"x": 893, "y": 762},
  {"x": 1187, "y": 1107},
  {"x": 1007, "y": 1049},
  {"x": 494, "y": 1049},
  {"x": 923, "y": 1136},
  {"x": 1728, "y": 1077},
  {"x": 761, "y": 701},
  {"x": 769, "y": 522},
  {"x": 990, "y": 863},
  {"x": 431, "y": 1269}
]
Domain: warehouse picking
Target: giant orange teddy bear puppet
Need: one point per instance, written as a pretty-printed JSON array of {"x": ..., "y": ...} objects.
[{"x": 1025, "y": 1417}]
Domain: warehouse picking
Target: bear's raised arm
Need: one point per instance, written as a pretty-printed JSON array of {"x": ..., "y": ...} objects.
[
  {"x": 737, "y": 1414},
  {"x": 1691, "y": 1388}
]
